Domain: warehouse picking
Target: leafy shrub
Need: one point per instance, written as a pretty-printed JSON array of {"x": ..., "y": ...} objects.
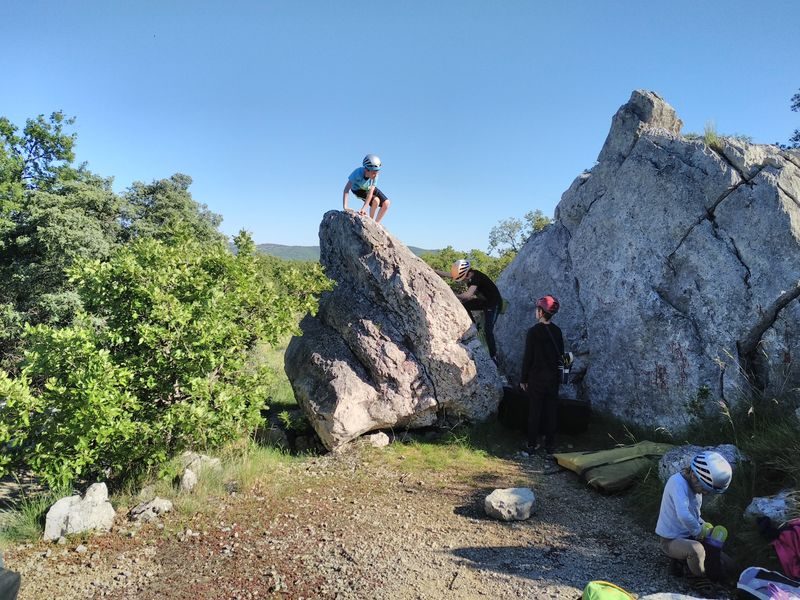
[{"x": 158, "y": 363}]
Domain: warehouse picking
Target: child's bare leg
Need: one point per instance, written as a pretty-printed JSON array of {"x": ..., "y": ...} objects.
[
  {"x": 373, "y": 207},
  {"x": 384, "y": 208}
]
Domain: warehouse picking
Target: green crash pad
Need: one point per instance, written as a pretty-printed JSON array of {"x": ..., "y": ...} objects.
[{"x": 613, "y": 470}]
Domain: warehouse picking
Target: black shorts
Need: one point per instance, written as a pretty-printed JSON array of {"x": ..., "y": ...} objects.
[{"x": 376, "y": 194}]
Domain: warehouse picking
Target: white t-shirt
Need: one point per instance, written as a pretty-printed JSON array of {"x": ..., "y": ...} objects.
[{"x": 680, "y": 510}]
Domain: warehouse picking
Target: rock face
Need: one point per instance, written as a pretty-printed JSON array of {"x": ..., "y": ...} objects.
[
  {"x": 391, "y": 345},
  {"x": 677, "y": 264}
]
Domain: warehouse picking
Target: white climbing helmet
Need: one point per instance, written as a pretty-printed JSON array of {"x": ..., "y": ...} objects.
[
  {"x": 459, "y": 269},
  {"x": 372, "y": 162},
  {"x": 712, "y": 471}
]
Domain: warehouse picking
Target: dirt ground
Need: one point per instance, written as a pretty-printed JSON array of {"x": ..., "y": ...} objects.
[{"x": 362, "y": 525}]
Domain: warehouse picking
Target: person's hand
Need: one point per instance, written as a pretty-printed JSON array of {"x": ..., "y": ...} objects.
[
  {"x": 523, "y": 387},
  {"x": 363, "y": 211},
  {"x": 707, "y": 527}
]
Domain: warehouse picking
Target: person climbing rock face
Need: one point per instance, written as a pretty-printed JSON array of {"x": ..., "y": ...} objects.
[
  {"x": 541, "y": 374},
  {"x": 362, "y": 183},
  {"x": 481, "y": 294},
  {"x": 681, "y": 530}
]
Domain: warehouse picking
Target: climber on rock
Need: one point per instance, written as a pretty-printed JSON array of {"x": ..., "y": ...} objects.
[{"x": 481, "y": 294}]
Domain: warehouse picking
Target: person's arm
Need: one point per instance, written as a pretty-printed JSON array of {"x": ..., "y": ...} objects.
[
  {"x": 348, "y": 186},
  {"x": 685, "y": 515},
  {"x": 469, "y": 294},
  {"x": 442, "y": 273},
  {"x": 370, "y": 192},
  {"x": 527, "y": 361}
]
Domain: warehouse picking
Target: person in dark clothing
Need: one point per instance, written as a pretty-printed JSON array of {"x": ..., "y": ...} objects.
[
  {"x": 481, "y": 294},
  {"x": 544, "y": 348}
]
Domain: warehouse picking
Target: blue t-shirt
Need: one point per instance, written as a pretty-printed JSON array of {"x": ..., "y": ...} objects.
[{"x": 359, "y": 181}]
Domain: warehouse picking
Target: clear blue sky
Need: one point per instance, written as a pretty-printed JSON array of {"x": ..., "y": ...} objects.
[{"x": 480, "y": 110}]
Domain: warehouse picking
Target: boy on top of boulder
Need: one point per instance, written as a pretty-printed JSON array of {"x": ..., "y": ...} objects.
[{"x": 362, "y": 183}]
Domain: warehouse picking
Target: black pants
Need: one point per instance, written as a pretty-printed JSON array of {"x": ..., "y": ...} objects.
[
  {"x": 489, "y": 317},
  {"x": 543, "y": 412},
  {"x": 376, "y": 194}
]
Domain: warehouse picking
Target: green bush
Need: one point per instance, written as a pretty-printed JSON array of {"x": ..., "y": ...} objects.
[{"x": 157, "y": 363}]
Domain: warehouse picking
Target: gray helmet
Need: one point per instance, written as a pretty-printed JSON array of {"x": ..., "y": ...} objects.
[
  {"x": 712, "y": 471},
  {"x": 459, "y": 269},
  {"x": 372, "y": 162}
]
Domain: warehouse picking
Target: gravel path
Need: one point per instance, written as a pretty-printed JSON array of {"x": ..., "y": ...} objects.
[{"x": 357, "y": 525}]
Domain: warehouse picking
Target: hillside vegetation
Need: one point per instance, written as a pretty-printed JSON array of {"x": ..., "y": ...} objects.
[
  {"x": 312, "y": 252},
  {"x": 127, "y": 325}
]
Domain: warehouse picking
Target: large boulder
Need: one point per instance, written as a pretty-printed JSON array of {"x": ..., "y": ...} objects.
[
  {"x": 391, "y": 346},
  {"x": 677, "y": 264}
]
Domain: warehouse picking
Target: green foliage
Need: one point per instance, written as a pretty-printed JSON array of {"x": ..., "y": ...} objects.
[
  {"x": 481, "y": 261},
  {"x": 24, "y": 518},
  {"x": 309, "y": 253},
  {"x": 794, "y": 141},
  {"x": 713, "y": 139},
  {"x": 155, "y": 209},
  {"x": 159, "y": 362},
  {"x": 509, "y": 235},
  {"x": 710, "y": 136},
  {"x": 53, "y": 214},
  {"x": 37, "y": 158}
]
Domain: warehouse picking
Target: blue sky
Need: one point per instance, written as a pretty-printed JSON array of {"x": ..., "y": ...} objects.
[{"x": 480, "y": 110}]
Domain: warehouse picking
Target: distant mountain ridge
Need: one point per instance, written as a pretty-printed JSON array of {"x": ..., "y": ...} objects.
[{"x": 311, "y": 252}]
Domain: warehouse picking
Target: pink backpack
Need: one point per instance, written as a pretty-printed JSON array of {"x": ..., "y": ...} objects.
[{"x": 787, "y": 547}]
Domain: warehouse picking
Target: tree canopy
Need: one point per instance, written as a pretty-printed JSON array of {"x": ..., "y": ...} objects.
[
  {"x": 127, "y": 323},
  {"x": 509, "y": 235}
]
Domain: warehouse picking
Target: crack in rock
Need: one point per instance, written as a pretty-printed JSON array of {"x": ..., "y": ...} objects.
[
  {"x": 790, "y": 196},
  {"x": 666, "y": 300},
  {"x": 749, "y": 344},
  {"x": 710, "y": 216},
  {"x": 791, "y": 159},
  {"x": 744, "y": 264}
]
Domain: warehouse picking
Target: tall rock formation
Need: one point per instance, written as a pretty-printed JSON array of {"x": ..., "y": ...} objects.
[
  {"x": 391, "y": 346},
  {"x": 677, "y": 264}
]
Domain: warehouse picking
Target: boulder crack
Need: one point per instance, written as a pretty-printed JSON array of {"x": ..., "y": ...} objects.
[
  {"x": 791, "y": 159},
  {"x": 710, "y": 212},
  {"x": 680, "y": 158},
  {"x": 591, "y": 204},
  {"x": 748, "y": 346},
  {"x": 666, "y": 300},
  {"x": 738, "y": 256},
  {"x": 790, "y": 196}
]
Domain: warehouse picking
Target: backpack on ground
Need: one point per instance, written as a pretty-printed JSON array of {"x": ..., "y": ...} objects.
[
  {"x": 787, "y": 547},
  {"x": 756, "y": 583},
  {"x": 603, "y": 590},
  {"x": 573, "y": 415}
]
